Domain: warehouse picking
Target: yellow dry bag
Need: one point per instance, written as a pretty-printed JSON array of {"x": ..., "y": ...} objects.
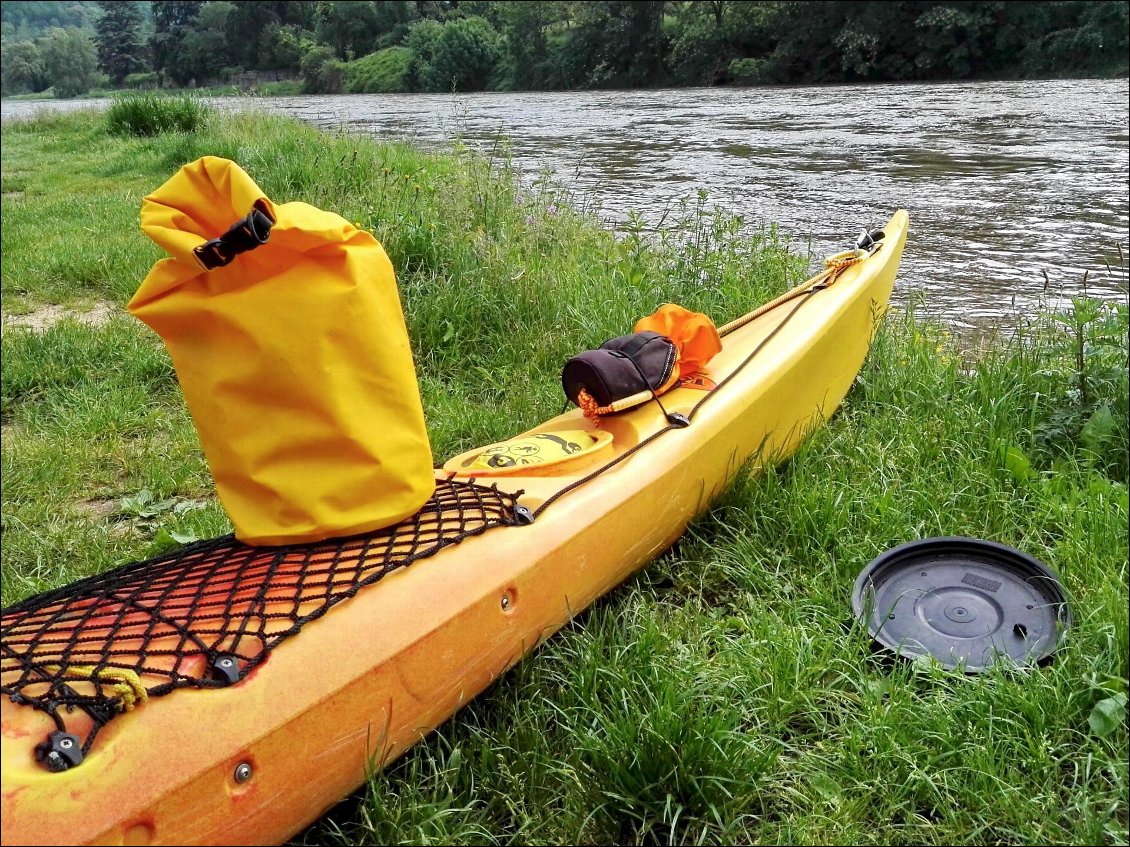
[{"x": 285, "y": 328}]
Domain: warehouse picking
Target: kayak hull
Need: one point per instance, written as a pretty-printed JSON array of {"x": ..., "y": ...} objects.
[{"x": 255, "y": 762}]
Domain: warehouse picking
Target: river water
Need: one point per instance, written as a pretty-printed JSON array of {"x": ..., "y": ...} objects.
[{"x": 1014, "y": 189}]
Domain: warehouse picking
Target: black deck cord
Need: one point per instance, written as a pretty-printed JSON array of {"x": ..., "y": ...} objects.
[
  {"x": 645, "y": 380},
  {"x": 568, "y": 488}
]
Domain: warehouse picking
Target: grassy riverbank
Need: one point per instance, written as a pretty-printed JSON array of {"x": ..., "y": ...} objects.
[{"x": 719, "y": 697}]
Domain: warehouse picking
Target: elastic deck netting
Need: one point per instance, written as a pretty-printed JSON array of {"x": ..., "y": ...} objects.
[{"x": 207, "y": 614}]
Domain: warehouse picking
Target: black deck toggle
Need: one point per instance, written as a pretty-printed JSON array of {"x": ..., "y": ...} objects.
[
  {"x": 869, "y": 239},
  {"x": 60, "y": 752},
  {"x": 225, "y": 668}
]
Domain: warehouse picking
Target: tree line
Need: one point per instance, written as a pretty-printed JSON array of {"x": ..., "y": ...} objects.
[{"x": 471, "y": 45}]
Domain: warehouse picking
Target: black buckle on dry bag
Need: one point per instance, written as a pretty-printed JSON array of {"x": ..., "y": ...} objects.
[{"x": 245, "y": 234}]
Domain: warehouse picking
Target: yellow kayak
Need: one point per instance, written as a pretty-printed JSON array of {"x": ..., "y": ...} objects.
[{"x": 230, "y": 694}]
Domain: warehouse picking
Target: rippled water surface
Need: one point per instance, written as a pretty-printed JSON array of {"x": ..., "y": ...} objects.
[{"x": 1003, "y": 181}]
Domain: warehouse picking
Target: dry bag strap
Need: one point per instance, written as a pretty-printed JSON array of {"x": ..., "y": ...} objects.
[
  {"x": 636, "y": 343},
  {"x": 245, "y": 234}
]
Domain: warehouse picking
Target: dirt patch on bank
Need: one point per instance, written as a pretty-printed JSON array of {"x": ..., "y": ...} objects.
[
  {"x": 41, "y": 319},
  {"x": 95, "y": 510}
]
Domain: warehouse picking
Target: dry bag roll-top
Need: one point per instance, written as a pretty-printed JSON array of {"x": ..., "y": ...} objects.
[{"x": 285, "y": 328}]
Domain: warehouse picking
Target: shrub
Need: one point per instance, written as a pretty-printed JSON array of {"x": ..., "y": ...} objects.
[
  {"x": 152, "y": 114},
  {"x": 748, "y": 71},
  {"x": 321, "y": 71},
  {"x": 382, "y": 72},
  {"x": 1083, "y": 407},
  {"x": 70, "y": 60},
  {"x": 149, "y": 79},
  {"x": 460, "y": 55}
]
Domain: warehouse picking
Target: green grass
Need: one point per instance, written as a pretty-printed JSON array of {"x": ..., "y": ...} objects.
[
  {"x": 721, "y": 696},
  {"x": 282, "y": 88}
]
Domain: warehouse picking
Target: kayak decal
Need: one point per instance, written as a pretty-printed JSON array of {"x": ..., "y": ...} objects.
[{"x": 698, "y": 381}]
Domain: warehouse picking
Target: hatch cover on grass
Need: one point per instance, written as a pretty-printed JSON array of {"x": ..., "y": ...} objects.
[{"x": 966, "y": 602}]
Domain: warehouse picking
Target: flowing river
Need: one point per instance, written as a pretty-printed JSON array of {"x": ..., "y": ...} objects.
[{"x": 1015, "y": 189}]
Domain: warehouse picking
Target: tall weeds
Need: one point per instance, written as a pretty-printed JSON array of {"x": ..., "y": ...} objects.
[{"x": 148, "y": 114}]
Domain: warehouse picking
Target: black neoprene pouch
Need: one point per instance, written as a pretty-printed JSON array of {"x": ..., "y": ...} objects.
[{"x": 621, "y": 367}]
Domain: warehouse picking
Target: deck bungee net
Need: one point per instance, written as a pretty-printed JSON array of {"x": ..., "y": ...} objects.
[{"x": 206, "y": 615}]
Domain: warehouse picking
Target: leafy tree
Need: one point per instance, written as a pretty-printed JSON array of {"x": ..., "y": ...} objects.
[
  {"x": 350, "y": 27},
  {"x": 22, "y": 70},
  {"x": 118, "y": 36},
  {"x": 286, "y": 45},
  {"x": 859, "y": 50},
  {"x": 206, "y": 50},
  {"x": 321, "y": 71},
  {"x": 470, "y": 49},
  {"x": 28, "y": 19},
  {"x": 1097, "y": 42},
  {"x": 461, "y": 54},
  {"x": 393, "y": 20},
  {"x": 616, "y": 44},
  {"x": 540, "y": 44},
  {"x": 491, "y": 12},
  {"x": 70, "y": 61},
  {"x": 172, "y": 22},
  {"x": 1018, "y": 29},
  {"x": 252, "y": 29},
  {"x": 708, "y": 39},
  {"x": 751, "y": 29},
  {"x": 525, "y": 27},
  {"x": 836, "y": 42},
  {"x": 423, "y": 40},
  {"x": 697, "y": 43},
  {"x": 1111, "y": 24},
  {"x": 953, "y": 43},
  {"x": 435, "y": 10}
]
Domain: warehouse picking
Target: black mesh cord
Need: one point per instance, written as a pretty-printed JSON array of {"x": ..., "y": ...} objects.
[{"x": 205, "y": 615}]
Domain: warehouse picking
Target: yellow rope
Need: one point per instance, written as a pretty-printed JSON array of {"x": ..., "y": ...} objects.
[
  {"x": 833, "y": 267},
  {"x": 837, "y": 264},
  {"x": 124, "y": 684}
]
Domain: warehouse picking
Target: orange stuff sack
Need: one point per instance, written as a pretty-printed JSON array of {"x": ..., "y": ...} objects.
[
  {"x": 693, "y": 334},
  {"x": 285, "y": 328}
]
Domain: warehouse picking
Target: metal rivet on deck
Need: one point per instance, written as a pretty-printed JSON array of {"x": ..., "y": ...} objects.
[
  {"x": 242, "y": 772},
  {"x": 505, "y": 602}
]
